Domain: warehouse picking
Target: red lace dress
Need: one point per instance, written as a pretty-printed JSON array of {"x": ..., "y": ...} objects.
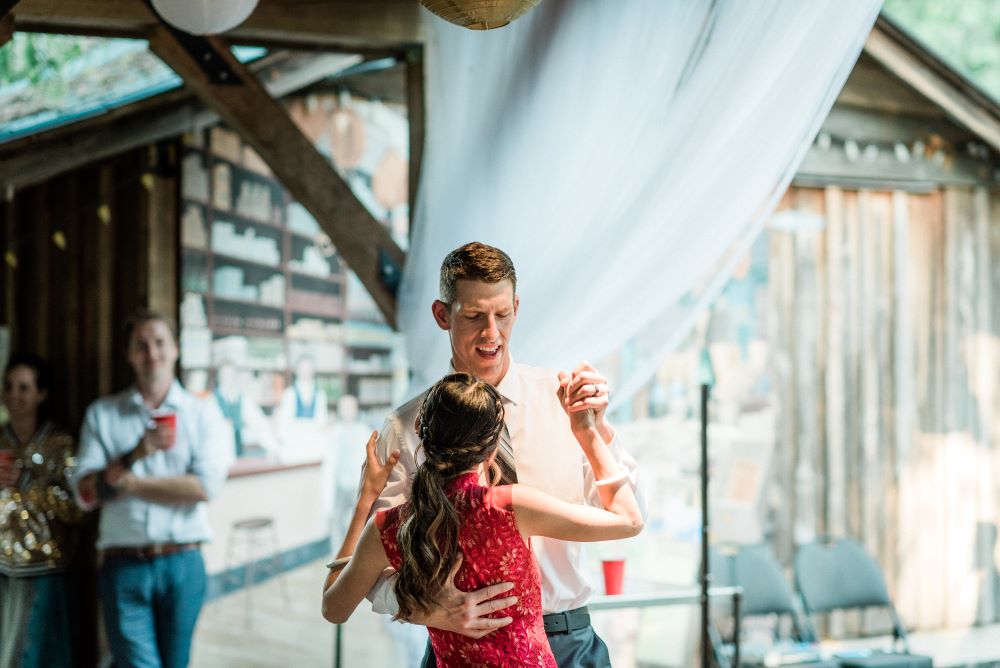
[{"x": 493, "y": 552}]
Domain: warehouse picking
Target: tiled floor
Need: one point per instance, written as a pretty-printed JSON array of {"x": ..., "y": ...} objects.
[
  {"x": 294, "y": 635},
  {"x": 287, "y": 636}
]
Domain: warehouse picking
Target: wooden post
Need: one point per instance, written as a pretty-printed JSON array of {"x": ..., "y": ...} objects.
[
  {"x": 805, "y": 379},
  {"x": 159, "y": 216},
  {"x": 903, "y": 378},
  {"x": 416, "y": 116},
  {"x": 9, "y": 220},
  {"x": 836, "y": 486},
  {"x": 781, "y": 291},
  {"x": 263, "y": 123},
  {"x": 6, "y": 29}
]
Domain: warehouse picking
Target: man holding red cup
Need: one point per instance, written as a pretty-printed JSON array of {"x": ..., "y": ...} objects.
[{"x": 151, "y": 457}]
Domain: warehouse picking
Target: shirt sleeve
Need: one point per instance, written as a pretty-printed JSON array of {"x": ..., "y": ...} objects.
[
  {"x": 631, "y": 468},
  {"x": 92, "y": 455},
  {"x": 322, "y": 408},
  {"x": 61, "y": 505},
  {"x": 214, "y": 453},
  {"x": 397, "y": 487},
  {"x": 391, "y": 439},
  {"x": 383, "y": 596}
]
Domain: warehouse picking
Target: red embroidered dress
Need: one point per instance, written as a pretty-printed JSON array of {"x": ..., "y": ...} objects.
[{"x": 493, "y": 552}]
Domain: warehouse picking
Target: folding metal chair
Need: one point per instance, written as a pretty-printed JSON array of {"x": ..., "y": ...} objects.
[
  {"x": 837, "y": 574},
  {"x": 766, "y": 592}
]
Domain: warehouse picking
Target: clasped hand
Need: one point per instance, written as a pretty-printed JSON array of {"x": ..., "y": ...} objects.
[{"x": 584, "y": 395}]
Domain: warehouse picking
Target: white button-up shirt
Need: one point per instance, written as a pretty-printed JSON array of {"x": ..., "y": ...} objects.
[
  {"x": 203, "y": 447},
  {"x": 548, "y": 458}
]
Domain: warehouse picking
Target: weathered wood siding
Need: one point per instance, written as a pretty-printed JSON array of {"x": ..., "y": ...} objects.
[{"x": 887, "y": 362}]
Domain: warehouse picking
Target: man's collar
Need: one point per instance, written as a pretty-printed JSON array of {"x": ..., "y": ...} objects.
[
  {"x": 509, "y": 386},
  {"x": 172, "y": 400}
]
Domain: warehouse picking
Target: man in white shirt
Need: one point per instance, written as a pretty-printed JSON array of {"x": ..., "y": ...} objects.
[
  {"x": 152, "y": 483},
  {"x": 478, "y": 307}
]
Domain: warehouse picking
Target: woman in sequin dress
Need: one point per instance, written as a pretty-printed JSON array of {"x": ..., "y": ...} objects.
[
  {"x": 37, "y": 524},
  {"x": 453, "y": 527}
]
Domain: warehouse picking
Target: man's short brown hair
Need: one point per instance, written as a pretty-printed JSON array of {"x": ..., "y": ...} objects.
[
  {"x": 475, "y": 262},
  {"x": 143, "y": 316}
]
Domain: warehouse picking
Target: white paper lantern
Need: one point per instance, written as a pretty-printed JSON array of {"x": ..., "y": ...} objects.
[{"x": 204, "y": 17}]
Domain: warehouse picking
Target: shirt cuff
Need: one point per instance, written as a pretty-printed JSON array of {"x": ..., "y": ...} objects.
[
  {"x": 382, "y": 596},
  {"x": 74, "y": 486}
]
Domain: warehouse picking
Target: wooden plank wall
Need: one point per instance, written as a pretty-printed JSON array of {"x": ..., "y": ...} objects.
[
  {"x": 81, "y": 251},
  {"x": 887, "y": 358},
  {"x": 85, "y": 249}
]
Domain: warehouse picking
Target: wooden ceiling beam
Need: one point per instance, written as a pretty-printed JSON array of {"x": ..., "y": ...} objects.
[
  {"x": 262, "y": 122},
  {"x": 930, "y": 77},
  {"x": 345, "y": 25},
  {"x": 6, "y": 28},
  {"x": 6, "y": 20}
]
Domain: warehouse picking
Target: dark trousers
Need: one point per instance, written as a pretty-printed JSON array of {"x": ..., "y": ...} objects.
[{"x": 574, "y": 649}]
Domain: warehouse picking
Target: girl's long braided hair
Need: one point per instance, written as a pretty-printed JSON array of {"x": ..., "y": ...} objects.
[{"x": 459, "y": 426}]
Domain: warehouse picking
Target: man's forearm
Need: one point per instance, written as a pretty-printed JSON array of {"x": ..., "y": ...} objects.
[{"x": 182, "y": 490}]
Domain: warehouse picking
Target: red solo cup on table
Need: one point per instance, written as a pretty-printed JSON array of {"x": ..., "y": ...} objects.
[
  {"x": 614, "y": 575},
  {"x": 167, "y": 420}
]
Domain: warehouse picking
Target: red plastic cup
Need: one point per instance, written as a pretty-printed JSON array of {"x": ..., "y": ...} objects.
[
  {"x": 88, "y": 495},
  {"x": 614, "y": 575},
  {"x": 167, "y": 420}
]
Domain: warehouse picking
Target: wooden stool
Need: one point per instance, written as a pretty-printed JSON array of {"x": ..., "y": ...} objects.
[{"x": 261, "y": 551}]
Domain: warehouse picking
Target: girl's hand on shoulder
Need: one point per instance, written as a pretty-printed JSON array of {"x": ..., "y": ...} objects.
[{"x": 375, "y": 473}]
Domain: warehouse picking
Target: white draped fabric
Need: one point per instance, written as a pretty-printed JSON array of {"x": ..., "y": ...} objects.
[{"x": 618, "y": 151}]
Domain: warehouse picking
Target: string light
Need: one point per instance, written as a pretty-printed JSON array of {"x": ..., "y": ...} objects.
[
  {"x": 851, "y": 150},
  {"x": 902, "y": 152},
  {"x": 104, "y": 214},
  {"x": 933, "y": 148}
]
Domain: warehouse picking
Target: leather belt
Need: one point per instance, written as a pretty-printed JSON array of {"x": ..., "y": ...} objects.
[
  {"x": 147, "y": 552},
  {"x": 564, "y": 622}
]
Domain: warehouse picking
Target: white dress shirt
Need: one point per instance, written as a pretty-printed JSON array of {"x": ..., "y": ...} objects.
[
  {"x": 548, "y": 458},
  {"x": 203, "y": 447}
]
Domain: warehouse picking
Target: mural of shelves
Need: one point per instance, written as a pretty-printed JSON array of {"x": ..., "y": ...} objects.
[{"x": 263, "y": 285}]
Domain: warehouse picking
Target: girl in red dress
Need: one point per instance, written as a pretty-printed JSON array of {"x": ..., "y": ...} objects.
[{"x": 453, "y": 526}]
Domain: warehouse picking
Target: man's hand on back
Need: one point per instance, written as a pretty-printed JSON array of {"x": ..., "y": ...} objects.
[{"x": 464, "y": 612}]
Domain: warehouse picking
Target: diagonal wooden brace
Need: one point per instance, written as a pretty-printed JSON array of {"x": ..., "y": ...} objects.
[{"x": 262, "y": 122}]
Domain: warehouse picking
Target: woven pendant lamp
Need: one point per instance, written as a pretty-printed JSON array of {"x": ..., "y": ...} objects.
[{"x": 479, "y": 14}]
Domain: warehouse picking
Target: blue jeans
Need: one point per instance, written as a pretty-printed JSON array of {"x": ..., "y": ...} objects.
[{"x": 151, "y": 607}]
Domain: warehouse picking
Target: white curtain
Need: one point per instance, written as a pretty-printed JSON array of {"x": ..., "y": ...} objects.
[{"x": 619, "y": 151}]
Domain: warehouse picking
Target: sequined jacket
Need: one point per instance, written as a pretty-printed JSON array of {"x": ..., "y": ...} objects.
[{"x": 38, "y": 515}]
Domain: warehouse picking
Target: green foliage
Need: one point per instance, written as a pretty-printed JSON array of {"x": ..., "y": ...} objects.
[
  {"x": 34, "y": 56},
  {"x": 964, "y": 33}
]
